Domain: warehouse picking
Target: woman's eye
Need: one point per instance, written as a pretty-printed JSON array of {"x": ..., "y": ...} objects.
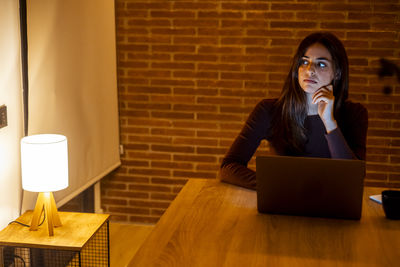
[
  {"x": 303, "y": 62},
  {"x": 321, "y": 65}
]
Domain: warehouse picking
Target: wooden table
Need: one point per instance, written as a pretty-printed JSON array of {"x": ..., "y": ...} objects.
[{"x": 216, "y": 224}]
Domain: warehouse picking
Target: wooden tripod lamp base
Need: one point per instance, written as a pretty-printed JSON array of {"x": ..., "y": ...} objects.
[{"x": 45, "y": 201}]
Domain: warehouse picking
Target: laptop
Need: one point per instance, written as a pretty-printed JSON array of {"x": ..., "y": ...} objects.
[{"x": 317, "y": 187}]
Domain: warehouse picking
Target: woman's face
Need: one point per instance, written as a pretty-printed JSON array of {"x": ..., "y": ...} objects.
[{"x": 316, "y": 68}]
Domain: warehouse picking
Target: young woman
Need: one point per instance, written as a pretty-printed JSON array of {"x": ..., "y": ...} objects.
[{"x": 311, "y": 118}]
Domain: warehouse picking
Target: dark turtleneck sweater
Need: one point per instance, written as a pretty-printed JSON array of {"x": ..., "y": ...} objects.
[{"x": 348, "y": 141}]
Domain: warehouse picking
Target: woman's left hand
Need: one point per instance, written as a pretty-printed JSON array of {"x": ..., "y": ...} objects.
[{"x": 325, "y": 99}]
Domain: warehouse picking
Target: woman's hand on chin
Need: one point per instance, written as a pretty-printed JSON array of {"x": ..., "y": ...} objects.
[{"x": 325, "y": 99}]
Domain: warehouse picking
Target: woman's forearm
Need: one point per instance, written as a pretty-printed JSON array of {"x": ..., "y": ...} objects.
[{"x": 237, "y": 174}]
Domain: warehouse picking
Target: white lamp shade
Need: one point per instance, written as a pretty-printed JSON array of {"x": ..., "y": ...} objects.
[{"x": 44, "y": 162}]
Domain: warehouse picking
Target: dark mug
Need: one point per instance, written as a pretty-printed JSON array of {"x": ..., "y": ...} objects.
[{"x": 391, "y": 204}]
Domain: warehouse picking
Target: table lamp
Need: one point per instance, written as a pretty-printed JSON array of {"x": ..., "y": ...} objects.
[{"x": 44, "y": 166}]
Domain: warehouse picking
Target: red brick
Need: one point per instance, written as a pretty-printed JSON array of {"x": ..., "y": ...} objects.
[
  {"x": 171, "y": 82},
  {"x": 148, "y": 23},
  {"x": 195, "y": 23},
  {"x": 150, "y": 139},
  {"x": 372, "y": 35},
  {"x": 163, "y": 196},
  {"x": 235, "y": 109},
  {"x": 387, "y": 7},
  {"x": 149, "y": 89},
  {"x": 149, "y": 73},
  {"x": 210, "y": 150},
  {"x": 113, "y": 201},
  {"x": 172, "y": 115},
  {"x": 130, "y": 47},
  {"x": 148, "y": 122},
  {"x": 155, "y": 39},
  {"x": 173, "y": 99},
  {"x": 169, "y": 180},
  {"x": 172, "y": 14},
  {"x": 194, "y": 158},
  {"x": 268, "y": 51},
  {"x": 195, "y": 75},
  {"x": 153, "y": 56},
  {"x": 131, "y": 179},
  {"x": 172, "y": 149},
  {"x": 172, "y": 65},
  {"x": 195, "y": 174},
  {"x": 243, "y": 76},
  {"x": 169, "y": 31},
  {"x": 322, "y": 16},
  {"x": 346, "y": 7},
  {"x": 243, "y": 93},
  {"x": 195, "y": 40},
  {"x": 128, "y": 194},
  {"x": 270, "y": 15},
  {"x": 345, "y": 25},
  {"x": 293, "y": 24},
  {"x": 294, "y": 7},
  {"x": 219, "y": 134},
  {"x": 136, "y": 147},
  {"x": 153, "y": 188},
  {"x": 173, "y": 48},
  {"x": 136, "y": 163},
  {"x": 378, "y": 124},
  {"x": 245, "y": 6},
  {"x": 265, "y": 68},
  {"x": 219, "y": 100},
  {"x": 215, "y": 14},
  {"x": 220, "y": 31},
  {"x": 192, "y": 91},
  {"x": 147, "y": 5},
  {"x": 194, "y": 108},
  {"x": 253, "y": 23},
  {"x": 131, "y": 14},
  {"x": 150, "y": 155},
  {"x": 147, "y": 106},
  {"x": 194, "y": 124},
  {"x": 219, "y": 50},
  {"x": 195, "y": 57},
  {"x": 196, "y": 141},
  {"x": 219, "y": 84},
  {"x": 172, "y": 132},
  {"x": 244, "y": 41},
  {"x": 217, "y": 117},
  {"x": 221, "y": 67},
  {"x": 195, "y": 5}
]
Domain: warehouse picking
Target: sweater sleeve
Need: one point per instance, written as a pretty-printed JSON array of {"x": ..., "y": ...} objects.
[
  {"x": 349, "y": 142},
  {"x": 234, "y": 165}
]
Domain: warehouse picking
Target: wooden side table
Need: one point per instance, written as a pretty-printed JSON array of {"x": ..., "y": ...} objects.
[{"x": 82, "y": 240}]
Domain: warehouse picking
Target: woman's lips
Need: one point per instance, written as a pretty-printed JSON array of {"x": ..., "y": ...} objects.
[{"x": 309, "y": 81}]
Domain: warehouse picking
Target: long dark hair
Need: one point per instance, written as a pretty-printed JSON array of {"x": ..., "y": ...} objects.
[{"x": 288, "y": 130}]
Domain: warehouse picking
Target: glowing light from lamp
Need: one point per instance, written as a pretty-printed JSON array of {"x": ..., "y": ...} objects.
[{"x": 44, "y": 162}]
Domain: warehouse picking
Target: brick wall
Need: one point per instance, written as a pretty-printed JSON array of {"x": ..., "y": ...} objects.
[{"x": 189, "y": 72}]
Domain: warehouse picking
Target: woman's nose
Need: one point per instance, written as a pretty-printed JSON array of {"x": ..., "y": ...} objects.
[{"x": 311, "y": 68}]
